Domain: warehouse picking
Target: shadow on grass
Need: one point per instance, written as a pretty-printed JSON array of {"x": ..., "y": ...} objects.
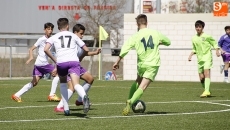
[
  {"x": 80, "y": 109},
  {"x": 49, "y": 101},
  {"x": 210, "y": 96},
  {"x": 75, "y": 114},
  {"x": 156, "y": 112}
]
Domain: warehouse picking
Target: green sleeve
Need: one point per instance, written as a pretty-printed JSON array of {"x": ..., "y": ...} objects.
[
  {"x": 164, "y": 40},
  {"x": 213, "y": 42},
  {"x": 128, "y": 45},
  {"x": 193, "y": 48}
]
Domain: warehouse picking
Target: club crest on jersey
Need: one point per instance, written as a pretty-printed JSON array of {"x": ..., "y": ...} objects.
[{"x": 203, "y": 38}]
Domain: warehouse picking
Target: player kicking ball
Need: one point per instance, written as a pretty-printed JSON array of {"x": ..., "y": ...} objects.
[
  {"x": 41, "y": 67},
  {"x": 146, "y": 42},
  {"x": 202, "y": 44},
  {"x": 79, "y": 30}
]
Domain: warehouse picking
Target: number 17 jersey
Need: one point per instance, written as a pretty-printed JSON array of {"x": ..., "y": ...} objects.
[
  {"x": 66, "y": 44},
  {"x": 146, "y": 42}
]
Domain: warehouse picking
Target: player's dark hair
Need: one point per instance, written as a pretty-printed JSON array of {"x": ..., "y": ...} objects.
[
  {"x": 226, "y": 27},
  {"x": 62, "y": 23},
  {"x": 141, "y": 19},
  {"x": 78, "y": 27},
  {"x": 199, "y": 23},
  {"x": 48, "y": 25}
]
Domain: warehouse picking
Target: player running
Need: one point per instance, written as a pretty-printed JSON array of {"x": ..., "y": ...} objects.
[
  {"x": 41, "y": 67},
  {"x": 146, "y": 42}
]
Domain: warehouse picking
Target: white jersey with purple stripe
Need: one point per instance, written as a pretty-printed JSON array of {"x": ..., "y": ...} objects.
[
  {"x": 66, "y": 44},
  {"x": 42, "y": 58}
]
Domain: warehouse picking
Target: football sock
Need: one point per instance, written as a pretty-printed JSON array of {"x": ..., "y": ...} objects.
[
  {"x": 203, "y": 85},
  {"x": 132, "y": 90},
  {"x": 64, "y": 95},
  {"x": 207, "y": 84},
  {"x": 86, "y": 87},
  {"x": 137, "y": 95},
  {"x": 226, "y": 73},
  {"x": 24, "y": 89},
  {"x": 54, "y": 85},
  {"x": 80, "y": 90},
  {"x": 70, "y": 93}
]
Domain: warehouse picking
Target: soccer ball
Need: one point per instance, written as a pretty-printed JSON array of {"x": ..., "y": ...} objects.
[{"x": 139, "y": 106}]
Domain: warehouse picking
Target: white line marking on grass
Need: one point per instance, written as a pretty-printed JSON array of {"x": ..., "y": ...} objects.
[
  {"x": 111, "y": 117},
  {"x": 98, "y": 104},
  {"x": 173, "y": 88},
  {"x": 221, "y": 104}
]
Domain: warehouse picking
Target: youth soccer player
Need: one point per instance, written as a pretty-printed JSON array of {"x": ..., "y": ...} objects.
[
  {"x": 202, "y": 45},
  {"x": 67, "y": 61},
  {"x": 224, "y": 44},
  {"x": 146, "y": 42},
  {"x": 41, "y": 67},
  {"x": 79, "y": 30}
]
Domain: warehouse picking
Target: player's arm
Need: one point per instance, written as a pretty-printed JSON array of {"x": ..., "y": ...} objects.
[
  {"x": 81, "y": 44},
  {"x": 220, "y": 43},
  {"x": 213, "y": 42},
  {"x": 92, "y": 53},
  {"x": 193, "y": 52},
  {"x": 31, "y": 56},
  {"x": 48, "y": 53},
  {"x": 128, "y": 45},
  {"x": 164, "y": 40}
]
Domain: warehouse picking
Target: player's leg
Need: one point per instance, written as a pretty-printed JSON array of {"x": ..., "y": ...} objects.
[
  {"x": 36, "y": 77},
  {"x": 226, "y": 59},
  {"x": 63, "y": 70},
  {"x": 134, "y": 86},
  {"x": 201, "y": 74},
  {"x": 75, "y": 78},
  {"x": 226, "y": 66},
  {"x": 70, "y": 90},
  {"x": 64, "y": 94},
  {"x": 222, "y": 66},
  {"x": 88, "y": 78},
  {"x": 207, "y": 67},
  {"x": 51, "y": 69},
  {"x": 81, "y": 92},
  {"x": 148, "y": 75}
]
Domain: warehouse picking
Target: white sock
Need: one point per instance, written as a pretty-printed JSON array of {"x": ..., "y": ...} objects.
[
  {"x": 70, "y": 93},
  {"x": 54, "y": 85},
  {"x": 80, "y": 90},
  {"x": 64, "y": 95},
  {"x": 24, "y": 89},
  {"x": 86, "y": 87}
]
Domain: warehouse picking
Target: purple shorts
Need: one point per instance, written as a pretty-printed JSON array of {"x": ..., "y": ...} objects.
[
  {"x": 41, "y": 70},
  {"x": 226, "y": 57},
  {"x": 66, "y": 68},
  {"x": 82, "y": 71}
]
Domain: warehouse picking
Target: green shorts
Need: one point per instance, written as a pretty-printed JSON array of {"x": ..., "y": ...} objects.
[
  {"x": 148, "y": 72},
  {"x": 203, "y": 65}
]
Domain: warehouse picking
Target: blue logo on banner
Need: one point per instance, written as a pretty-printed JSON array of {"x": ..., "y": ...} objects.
[{"x": 109, "y": 75}]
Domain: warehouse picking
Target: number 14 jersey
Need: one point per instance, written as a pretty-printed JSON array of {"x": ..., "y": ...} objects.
[
  {"x": 66, "y": 44},
  {"x": 146, "y": 42}
]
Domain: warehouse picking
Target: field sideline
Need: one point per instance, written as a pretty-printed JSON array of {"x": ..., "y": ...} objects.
[{"x": 170, "y": 106}]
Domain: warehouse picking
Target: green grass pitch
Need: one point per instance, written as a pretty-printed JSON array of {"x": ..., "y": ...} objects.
[{"x": 170, "y": 106}]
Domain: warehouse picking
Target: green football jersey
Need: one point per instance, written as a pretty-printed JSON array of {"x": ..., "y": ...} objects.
[
  {"x": 146, "y": 42},
  {"x": 202, "y": 46}
]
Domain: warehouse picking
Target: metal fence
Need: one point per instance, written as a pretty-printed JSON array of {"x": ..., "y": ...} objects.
[{"x": 13, "y": 58}]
